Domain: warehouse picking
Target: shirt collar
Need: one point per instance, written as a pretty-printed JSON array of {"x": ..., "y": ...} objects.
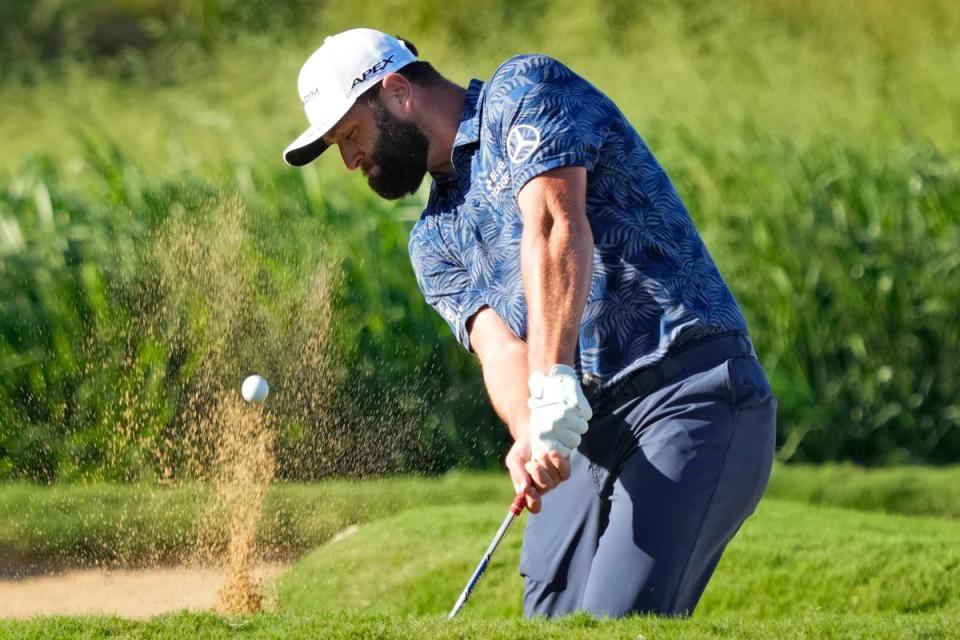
[{"x": 469, "y": 130}]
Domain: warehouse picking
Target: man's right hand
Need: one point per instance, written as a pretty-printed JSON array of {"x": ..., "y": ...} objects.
[
  {"x": 504, "y": 360},
  {"x": 534, "y": 477}
]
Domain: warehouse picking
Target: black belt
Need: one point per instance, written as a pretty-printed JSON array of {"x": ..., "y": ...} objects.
[{"x": 686, "y": 360}]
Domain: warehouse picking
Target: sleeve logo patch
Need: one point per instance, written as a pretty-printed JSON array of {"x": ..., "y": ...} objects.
[{"x": 522, "y": 141}]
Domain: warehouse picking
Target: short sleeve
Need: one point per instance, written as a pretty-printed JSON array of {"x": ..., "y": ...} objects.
[
  {"x": 444, "y": 282},
  {"x": 545, "y": 117}
]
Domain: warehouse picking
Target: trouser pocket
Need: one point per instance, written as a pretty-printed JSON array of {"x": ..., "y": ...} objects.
[{"x": 748, "y": 383}]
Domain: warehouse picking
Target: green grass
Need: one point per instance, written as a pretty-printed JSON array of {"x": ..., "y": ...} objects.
[
  {"x": 796, "y": 570},
  {"x": 93, "y": 523},
  {"x": 87, "y": 523},
  {"x": 413, "y": 563},
  {"x": 353, "y": 626},
  {"x": 788, "y": 558},
  {"x": 909, "y": 490},
  {"x": 828, "y": 124},
  {"x": 866, "y": 71}
]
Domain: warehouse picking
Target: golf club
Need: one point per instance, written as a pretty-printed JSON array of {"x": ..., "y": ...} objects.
[{"x": 515, "y": 510}]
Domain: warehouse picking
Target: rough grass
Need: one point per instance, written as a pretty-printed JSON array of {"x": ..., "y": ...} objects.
[
  {"x": 789, "y": 558},
  {"x": 78, "y": 524},
  {"x": 131, "y": 524},
  {"x": 352, "y": 625},
  {"x": 829, "y": 124},
  {"x": 911, "y": 490},
  {"x": 870, "y": 71},
  {"x": 796, "y": 570}
]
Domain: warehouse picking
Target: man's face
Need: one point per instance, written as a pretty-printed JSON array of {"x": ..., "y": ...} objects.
[{"x": 391, "y": 152}]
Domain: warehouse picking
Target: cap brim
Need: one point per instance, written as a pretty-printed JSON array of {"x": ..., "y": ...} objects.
[{"x": 306, "y": 148}]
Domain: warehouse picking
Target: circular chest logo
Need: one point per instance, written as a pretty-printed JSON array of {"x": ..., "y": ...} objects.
[{"x": 522, "y": 141}]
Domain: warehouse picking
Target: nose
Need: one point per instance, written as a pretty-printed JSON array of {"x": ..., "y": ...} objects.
[{"x": 352, "y": 157}]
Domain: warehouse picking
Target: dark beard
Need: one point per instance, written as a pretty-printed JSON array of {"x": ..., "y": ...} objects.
[{"x": 400, "y": 154}]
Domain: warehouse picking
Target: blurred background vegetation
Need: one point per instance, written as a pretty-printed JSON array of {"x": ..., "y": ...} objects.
[{"x": 816, "y": 145}]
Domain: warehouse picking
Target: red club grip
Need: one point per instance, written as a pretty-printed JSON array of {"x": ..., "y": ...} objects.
[{"x": 518, "y": 503}]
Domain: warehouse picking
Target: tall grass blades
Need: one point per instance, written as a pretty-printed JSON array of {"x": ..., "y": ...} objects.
[
  {"x": 847, "y": 266},
  {"x": 149, "y": 234},
  {"x": 120, "y": 315}
]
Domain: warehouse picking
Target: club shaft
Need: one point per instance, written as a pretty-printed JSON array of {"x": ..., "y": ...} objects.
[
  {"x": 515, "y": 510},
  {"x": 475, "y": 578}
]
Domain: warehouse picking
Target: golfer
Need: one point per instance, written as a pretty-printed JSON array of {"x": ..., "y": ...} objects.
[{"x": 555, "y": 246}]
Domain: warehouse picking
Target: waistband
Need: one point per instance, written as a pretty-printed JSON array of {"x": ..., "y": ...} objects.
[{"x": 686, "y": 360}]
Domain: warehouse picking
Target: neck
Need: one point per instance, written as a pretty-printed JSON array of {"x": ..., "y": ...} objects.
[{"x": 446, "y": 108}]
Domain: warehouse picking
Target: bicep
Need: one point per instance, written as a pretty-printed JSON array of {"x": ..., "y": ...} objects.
[{"x": 560, "y": 192}]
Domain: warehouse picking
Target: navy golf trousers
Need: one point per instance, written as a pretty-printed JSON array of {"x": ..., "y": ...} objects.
[{"x": 660, "y": 484}]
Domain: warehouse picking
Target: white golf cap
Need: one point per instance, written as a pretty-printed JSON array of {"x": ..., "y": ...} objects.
[{"x": 334, "y": 77}]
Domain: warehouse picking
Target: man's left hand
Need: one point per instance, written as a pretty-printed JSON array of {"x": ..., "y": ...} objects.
[{"x": 559, "y": 411}]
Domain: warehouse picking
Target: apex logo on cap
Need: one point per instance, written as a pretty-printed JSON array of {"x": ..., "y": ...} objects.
[{"x": 374, "y": 69}]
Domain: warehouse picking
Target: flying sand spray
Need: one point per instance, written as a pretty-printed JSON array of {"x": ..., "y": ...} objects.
[{"x": 245, "y": 468}]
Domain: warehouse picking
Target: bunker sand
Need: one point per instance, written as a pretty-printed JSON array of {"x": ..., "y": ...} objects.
[{"x": 129, "y": 593}]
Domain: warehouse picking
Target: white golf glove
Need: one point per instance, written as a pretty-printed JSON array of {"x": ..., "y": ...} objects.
[{"x": 558, "y": 411}]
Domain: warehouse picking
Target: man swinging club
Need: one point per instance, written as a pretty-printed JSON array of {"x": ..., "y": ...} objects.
[{"x": 557, "y": 249}]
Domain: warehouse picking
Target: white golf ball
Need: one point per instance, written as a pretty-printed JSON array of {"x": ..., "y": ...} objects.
[{"x": 254, "y": 389}]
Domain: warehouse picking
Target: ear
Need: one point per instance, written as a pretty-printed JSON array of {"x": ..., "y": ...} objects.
[{"x": 396, "y": 92}]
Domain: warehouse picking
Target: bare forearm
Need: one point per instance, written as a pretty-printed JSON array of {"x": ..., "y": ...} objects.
[
  {"x": 505, "y": 377},
  {"x": 556, "y": 259}
]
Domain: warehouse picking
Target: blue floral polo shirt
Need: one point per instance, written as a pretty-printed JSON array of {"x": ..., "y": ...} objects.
[{"x": 654, "y": 283}]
